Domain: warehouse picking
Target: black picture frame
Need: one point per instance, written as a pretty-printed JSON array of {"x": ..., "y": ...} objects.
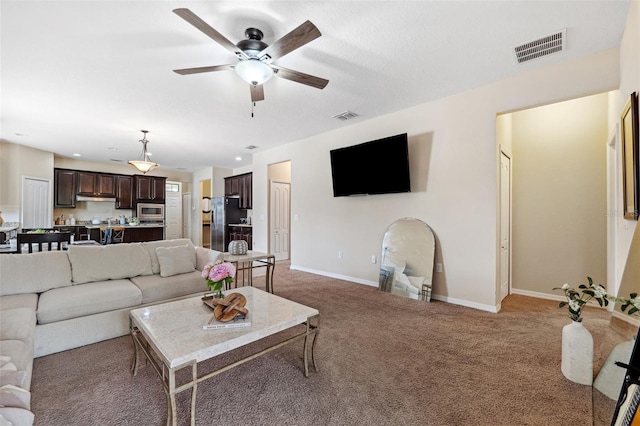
[{"x": 630, "y": 152}]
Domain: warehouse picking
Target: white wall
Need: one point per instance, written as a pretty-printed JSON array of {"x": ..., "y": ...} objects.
[
  {"x": 559, "y": 195},
  {"x": 16, "y": 162},
  {"x": 454, "y": 161}
]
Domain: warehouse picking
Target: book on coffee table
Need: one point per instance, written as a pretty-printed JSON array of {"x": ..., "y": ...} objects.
[{"x": 225, "y": 325}]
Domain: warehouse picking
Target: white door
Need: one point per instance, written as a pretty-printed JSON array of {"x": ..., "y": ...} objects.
[
  {"x": 36, "y": 203},
  {"x": 173, "y": 216},
  {"x": 186, "y": 215},
  {"x": 505, "y": 224},
  {"x": 279, "y": 219}
]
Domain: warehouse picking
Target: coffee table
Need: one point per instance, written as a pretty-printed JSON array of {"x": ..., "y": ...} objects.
[{"x": 172, "y": 338}]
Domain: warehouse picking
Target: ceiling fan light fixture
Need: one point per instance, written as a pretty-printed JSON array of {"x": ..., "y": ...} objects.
[
  {"x": 253, "y": 71},
  {"x": 144, "y": 165}
]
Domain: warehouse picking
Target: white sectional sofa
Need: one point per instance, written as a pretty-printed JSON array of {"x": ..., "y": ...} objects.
[{"x": 58, "y": 300}]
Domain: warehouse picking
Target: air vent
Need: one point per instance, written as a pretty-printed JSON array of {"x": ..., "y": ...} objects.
[
  {"x": 116, "y": 160},
  {"x": 543, "y": 46},
  {"x": 250, "y": 147},
  {"x": 344, "y": 116}
]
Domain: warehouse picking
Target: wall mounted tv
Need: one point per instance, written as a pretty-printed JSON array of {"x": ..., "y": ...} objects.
[{"x": 376, "y": 167}]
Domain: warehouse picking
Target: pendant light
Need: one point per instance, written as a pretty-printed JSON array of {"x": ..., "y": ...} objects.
[{"x": 144, "y": 165}]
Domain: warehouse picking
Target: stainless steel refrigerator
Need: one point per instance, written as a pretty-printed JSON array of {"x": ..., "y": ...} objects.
[{"x": 224, "y": 211}]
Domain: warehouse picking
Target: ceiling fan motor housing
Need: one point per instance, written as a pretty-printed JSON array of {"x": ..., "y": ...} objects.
[{"x": 253, "y": 44}]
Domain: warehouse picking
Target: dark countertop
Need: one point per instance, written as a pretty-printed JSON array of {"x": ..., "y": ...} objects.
[{"x": 243, "y": 225}]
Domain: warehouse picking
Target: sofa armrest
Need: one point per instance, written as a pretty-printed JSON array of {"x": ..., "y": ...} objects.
[{"x": 204, "y": 256}]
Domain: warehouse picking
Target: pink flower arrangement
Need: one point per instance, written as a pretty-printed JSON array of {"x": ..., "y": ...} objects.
[{"x": 217, "y": 274}]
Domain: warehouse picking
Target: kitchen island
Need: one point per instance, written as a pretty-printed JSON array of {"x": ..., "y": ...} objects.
[{"x": 132, "y": 234}]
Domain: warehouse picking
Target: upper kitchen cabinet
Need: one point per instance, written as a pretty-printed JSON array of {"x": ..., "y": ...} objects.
[
  {"x": 246, "y": 190},
  {"x": 95, "y": 184},
  {"x": 149, "y": 188},
  {"x": 242, "y": 186},
  {"x": 231, "y": 186},
  {"x": 64, "y": 182},
  {"x": 124, "y": 192}
]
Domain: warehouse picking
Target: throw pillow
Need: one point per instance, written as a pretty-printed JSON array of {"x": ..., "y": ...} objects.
[
  {"x": 4, "y": 422},
  {"x": 13, "y": 396},
  {"x": 15, "y": 378},
  {"x": 3, "y": 360},
  {"x": 8, "y": 366},
  {"x": 175, "y": 260}
]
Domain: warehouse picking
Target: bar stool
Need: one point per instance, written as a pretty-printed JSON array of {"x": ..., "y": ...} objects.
[{"x": 111, "y": 235}]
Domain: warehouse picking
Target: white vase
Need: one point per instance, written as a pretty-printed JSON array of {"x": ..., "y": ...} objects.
[{"x": 577, "y": 353}]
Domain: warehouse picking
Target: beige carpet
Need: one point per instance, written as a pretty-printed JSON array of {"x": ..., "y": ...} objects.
[{"x": 383, "y": 360}]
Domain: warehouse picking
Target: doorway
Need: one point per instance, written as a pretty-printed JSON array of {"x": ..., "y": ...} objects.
[
  {"x": 36, "y": 203},
  {"x": 186, "y": 215},
  {"x": 279, "y": 217},
  {"x": 505, "y": 225}
]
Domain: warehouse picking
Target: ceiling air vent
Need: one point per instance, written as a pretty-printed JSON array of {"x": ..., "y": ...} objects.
[
  {"x": 543, "y": 46},
  {"x": 344, "y": 116},
  {"x": 250, "y": 147}
]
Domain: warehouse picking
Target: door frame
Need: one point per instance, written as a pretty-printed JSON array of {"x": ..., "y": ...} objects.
[{"x": 507, "y": 154}]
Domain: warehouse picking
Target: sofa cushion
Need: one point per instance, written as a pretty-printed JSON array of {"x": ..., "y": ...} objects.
[
  {"x": 14, "y": 396},
  {"x": 14, "y": 378},
  {"x": 19, "y": 301},
  {"x": 21, "y": 354},
  {"x": 151, "y": 247},
  {"x": 176, "y": 260},
  {"x": 17, "y": 416},
  {"x": 204, "y": 256},
  {"x": 155, "y": 288},
  {"x": 110, "y": 262},
  {"x": 17, "y": 324},
  {"x": 48, "y": 269},
  {"x": 80, "y": 300}
]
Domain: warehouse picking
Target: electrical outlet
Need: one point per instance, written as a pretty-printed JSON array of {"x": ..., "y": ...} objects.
[
  {"x": 373, "y": 259},
  {"x": 438, "y": 267},
  {"x": 339, "y": 254}
]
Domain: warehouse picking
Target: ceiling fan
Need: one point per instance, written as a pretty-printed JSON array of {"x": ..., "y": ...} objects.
[{"x": 256, "y": 58}]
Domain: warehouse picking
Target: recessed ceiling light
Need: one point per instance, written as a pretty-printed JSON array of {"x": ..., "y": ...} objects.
[
  {"x": 116, "y": 160},
  {"x": 75, "y": 154},
  {"x": 19, "y": 134},
  {"x": 238, "y": 158},
  {"x": 180, "y": 168},
  {"x": 112, "y": 148}
]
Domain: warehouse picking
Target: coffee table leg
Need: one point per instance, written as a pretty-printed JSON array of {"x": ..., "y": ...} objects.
[{"x": 312, "y": 330}]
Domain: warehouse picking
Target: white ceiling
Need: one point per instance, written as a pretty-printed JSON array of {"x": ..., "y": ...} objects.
[{"x": 86, "y": 76}]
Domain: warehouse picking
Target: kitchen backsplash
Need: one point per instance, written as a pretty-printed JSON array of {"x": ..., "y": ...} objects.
[{"x": 87, "y": 210}]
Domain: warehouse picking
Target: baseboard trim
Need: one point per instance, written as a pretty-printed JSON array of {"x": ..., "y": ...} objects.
[{"x": 454, "y": 301}]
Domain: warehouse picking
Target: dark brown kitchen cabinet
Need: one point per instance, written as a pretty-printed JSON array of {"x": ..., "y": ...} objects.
[
  {"x": 64, "y": 182},
  {"x": 124, "y": 192},
  {"x": 231, "y": 186},
  {"x": 241, "y": 186},
  {"x": 246, "y": 191},
  {"x": 95, "y": 184},
  {"x": 149, "y": 188}
]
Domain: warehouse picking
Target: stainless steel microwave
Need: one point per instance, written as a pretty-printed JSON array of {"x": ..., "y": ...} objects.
[{"x": 150, "y": 212}]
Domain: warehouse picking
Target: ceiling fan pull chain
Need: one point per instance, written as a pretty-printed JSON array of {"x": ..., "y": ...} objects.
[{"x": 253, "y": 104}]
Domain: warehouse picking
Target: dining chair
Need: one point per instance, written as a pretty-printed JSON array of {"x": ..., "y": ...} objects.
[
  {"x": 111, "y": 235},
  {"x": 43, "y": 241}
]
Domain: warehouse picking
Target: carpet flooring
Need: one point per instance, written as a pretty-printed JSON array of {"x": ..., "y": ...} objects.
[{"x": 383, "y": 360}]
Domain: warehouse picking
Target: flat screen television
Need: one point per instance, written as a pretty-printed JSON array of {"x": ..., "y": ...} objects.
[{"x": 377, "y": 167}]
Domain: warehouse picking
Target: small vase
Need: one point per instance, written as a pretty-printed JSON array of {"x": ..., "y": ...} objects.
[{"x": 577, "y": 353}]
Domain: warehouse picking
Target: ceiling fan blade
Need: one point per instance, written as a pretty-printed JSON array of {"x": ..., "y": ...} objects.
[
  {"x": 257, "y": 93},
  {"x": 187, "y": 71},
  {"x": 295, "y": 39},
  {"x": 194, "y": 20},
  {"x": 300, "y": 77}
]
